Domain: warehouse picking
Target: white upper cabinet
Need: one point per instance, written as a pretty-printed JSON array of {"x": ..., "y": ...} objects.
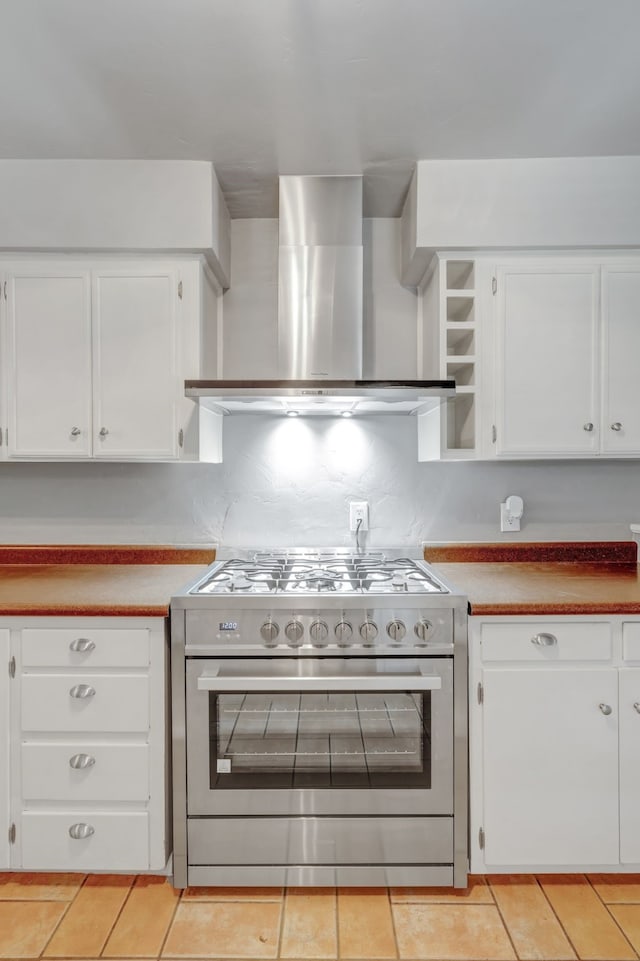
[
  {"x": 95, "y": 358},
  {"x": 546, "y": 360},
  {"x": 135, "y": 357},
  {"x": 49, "y": 363},
  {"x": 621, "y": 352}
]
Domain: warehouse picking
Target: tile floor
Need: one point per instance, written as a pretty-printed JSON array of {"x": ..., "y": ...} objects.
[{"x": 551, "y": 917}]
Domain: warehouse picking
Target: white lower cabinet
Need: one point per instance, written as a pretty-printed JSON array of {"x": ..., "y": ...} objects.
[
  {"x": 88, "y": 751},
  {"x": 4, "y": 750},
  {"x": 80, "y": 840},
  {"x": 630, "y": 765},
  {"x": 554, "y": 745}
]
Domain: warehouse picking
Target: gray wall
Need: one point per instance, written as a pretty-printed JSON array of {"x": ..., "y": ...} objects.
[{"x": 288, "y": 482}]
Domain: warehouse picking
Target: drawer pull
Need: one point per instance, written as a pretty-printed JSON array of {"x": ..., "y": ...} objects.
[
  {"x": 81, "y": 761},
  {"x": 544, "y": 640},
  {"x": 636, "y": 706},
  {"x": 82, "y": 645},
  {"x": 81, "y": 831},
  {"x": 82, "y": 691},
  {"x": 606, "y": 709}
]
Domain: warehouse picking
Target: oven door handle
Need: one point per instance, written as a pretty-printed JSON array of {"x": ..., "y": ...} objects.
[{"x": 377, "y": 682}]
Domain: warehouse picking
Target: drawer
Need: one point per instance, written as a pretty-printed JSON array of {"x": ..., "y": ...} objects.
[
  {"x": 631, "y": 642},
  {"x": 119, "y": 772},
  {"x": 119, "y": 841},
  {"x": 573, "y": 641},
  {"x": 120, "y": 703},
  {"x": 112, "y": 647}
]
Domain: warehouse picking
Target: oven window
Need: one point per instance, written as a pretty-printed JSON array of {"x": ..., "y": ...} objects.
[{"x": 320, "y": 740}]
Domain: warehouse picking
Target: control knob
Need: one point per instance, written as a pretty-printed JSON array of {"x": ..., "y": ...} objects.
[
  {"x": 294, "y": 631},
  {"x": 269, "y": 631},
  {"x": 319, "y": 632},
  {"x": 423, "y": 630},
  {"x": 368, "y": 632},
  {"x": 396, "y": 630},
  {"x": 343, "y": 632}
]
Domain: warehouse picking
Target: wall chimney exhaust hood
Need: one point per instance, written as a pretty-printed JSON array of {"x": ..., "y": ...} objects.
[{"x": 320, "y": 317}]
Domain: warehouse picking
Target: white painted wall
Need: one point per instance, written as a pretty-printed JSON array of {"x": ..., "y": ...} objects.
[
  {"x": 128, "y": 205},
  {"x": 574, "y": 202},
  {"x": 288, "y": 482}
]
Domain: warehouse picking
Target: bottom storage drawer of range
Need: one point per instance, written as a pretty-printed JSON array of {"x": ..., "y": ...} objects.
[
  {"x": 324, "y": 840},
  {"x": 85, "y": 840},
  {"x": 85, "y": 771}
]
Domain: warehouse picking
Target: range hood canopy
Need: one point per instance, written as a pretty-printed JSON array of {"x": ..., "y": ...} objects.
[
  {"x": 320, "y": 397},
  {"x": 320, "y": 316}
]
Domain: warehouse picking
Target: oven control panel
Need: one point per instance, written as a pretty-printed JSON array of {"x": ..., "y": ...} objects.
[{"x": 320, "y": 631}]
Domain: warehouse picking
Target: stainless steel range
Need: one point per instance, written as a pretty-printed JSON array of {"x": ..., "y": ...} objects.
[{"x": 319, "y": 723}]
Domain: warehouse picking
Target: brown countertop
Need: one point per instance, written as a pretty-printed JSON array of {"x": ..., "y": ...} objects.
[
  {"x": 96, "y": 581},
  {"x": 548, "y": 578}
]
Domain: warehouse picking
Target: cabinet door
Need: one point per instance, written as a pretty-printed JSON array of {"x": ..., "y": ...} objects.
[
  {"x": 550, "y": 760},
  {"x": 49, "y": 361},
  {"x": 4, "y": 750},
  {"x": 136, "y": 387},
  {"x": 546, "y": 363},
  {"x": 621, "y": 343},
  {"x": 630, "y": 765}
]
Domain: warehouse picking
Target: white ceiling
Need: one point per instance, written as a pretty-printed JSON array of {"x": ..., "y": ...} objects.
[{"x": 262, "y": 87}]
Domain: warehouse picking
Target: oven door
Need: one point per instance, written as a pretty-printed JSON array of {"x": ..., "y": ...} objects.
[{"x": 321, "y": 736}]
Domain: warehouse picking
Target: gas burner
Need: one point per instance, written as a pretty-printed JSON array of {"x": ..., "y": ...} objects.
[{"x": 315, "y": 572}]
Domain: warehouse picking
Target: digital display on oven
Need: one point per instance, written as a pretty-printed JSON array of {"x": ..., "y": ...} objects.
[{"x": 228, "y": 626}]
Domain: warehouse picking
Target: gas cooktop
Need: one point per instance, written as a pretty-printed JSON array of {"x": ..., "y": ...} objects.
[{"x": 310, "y": 572}]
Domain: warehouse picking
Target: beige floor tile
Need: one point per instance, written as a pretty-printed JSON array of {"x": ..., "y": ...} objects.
[
  {"x": 593, "y": 932},
  {"x": 452, "y": 931},
  {"x": 309, "y": 924},
  {"x": 233, "y": 894},
  {"x": 215, "y": 929},
  {"x": 89, "y": 920},
  {"x": 533, "y": 927},
  {"x": 365, "y": 925},
  {"x": 25, "y": 886},
  {"x": 26, "y": 926},
  {"x": 617, "y": 888},
  {"x": 144, "y": 921},
  {"x": 476, "y": 892},
  {"x": 628, "y": 917}
]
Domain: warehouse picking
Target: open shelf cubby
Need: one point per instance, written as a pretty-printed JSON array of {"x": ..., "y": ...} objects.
[
  {"x": 460, "y": 342},
  {"x": 461, "y": 431},
  {"x": 460, "y": 310},
  {"x": 460, "y": 275}
]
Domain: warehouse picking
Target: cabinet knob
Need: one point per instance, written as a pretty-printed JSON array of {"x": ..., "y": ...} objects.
[
  {"x": 82, "y": 645},
  {"x": 636, "y": 707},
  {"x": 82, "y": 691},
  {"x": 606, "y": 709},
  {"x": 75, "y": 431},
  {"x": 103, "y": 432},
  {"x": 81, "y": 831},
  {"x": 79, "y": 762},
  {"x": 588, "y": 427},
  {"x": 544, "y": 640},
  {"x": 617, "y": 426}
]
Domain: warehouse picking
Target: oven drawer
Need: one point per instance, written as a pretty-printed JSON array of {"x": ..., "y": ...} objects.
[
  {"x": 312, "y": 840},
  {"x": 119, "y": 841},
  {"x": 542, "y": 641},
  {"x": 65, "y": 702},
  {"x": 85, "y": 772},
  {"x": 85, "y": 647}
]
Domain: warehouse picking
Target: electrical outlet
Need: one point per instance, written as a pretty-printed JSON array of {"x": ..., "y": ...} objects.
[{"x": 359, "y": 511}]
